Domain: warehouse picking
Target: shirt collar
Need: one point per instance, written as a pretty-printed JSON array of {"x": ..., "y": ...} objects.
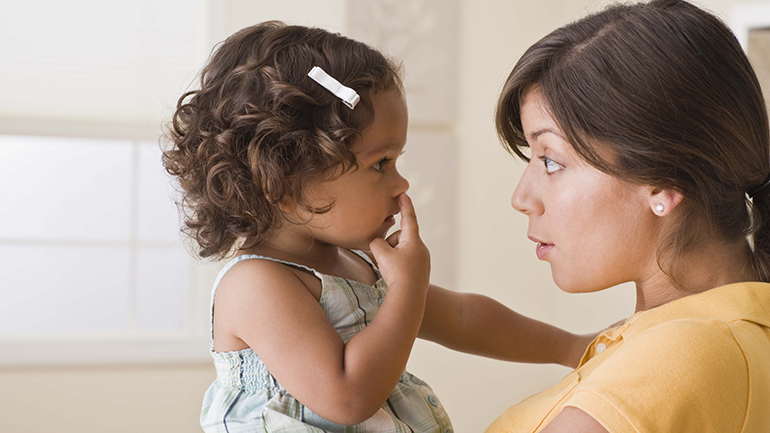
[{"x": 747, "y": 301}]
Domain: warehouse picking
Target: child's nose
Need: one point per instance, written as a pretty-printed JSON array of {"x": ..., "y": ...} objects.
[{"x": 402, "y": 185}]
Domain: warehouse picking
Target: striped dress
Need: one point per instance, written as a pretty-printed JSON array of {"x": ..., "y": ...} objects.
[{"x": 245, "y": 397}]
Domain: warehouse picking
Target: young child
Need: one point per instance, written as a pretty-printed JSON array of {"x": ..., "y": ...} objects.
[{"x": 286, "y": 156}]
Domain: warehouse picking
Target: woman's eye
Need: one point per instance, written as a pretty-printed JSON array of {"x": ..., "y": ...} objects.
[{"x": 550, "y": 165}]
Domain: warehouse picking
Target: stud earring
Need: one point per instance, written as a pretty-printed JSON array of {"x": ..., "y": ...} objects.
[{"x": 659, "y": 208}]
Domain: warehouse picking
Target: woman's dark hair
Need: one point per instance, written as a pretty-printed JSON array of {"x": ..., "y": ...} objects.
[
  {"x": 665, "y": 88},
  {"x": 259, "y": 129}
]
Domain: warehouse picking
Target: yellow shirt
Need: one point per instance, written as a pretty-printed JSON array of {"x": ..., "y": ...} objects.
[{"x": 699, "y": 364}]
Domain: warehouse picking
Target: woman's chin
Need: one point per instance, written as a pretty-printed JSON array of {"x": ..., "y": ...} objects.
[
  {"x": 573, "y": 285},
  {"x": 568, "y": 288}
]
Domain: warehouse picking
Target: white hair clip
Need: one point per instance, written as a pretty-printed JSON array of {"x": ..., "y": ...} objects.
[{"x": 346, "y": 94}]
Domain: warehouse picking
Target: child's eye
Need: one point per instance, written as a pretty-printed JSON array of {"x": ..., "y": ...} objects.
[
  {"x": 551, "y": 166},
  {"x": 380, "y": 165}
]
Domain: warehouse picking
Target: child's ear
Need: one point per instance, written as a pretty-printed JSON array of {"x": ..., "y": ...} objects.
[
  {"x": 286, "y": 204},
  {"x": 664, "y": 201}
]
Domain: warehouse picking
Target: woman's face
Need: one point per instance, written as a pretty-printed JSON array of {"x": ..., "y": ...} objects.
[{"x": 594, "y": 230}]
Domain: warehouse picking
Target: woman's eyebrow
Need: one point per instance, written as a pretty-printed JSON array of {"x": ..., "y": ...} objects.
[{"x": 533, "y": 136}]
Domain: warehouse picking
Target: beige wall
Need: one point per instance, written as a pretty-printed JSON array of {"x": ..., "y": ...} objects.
[
  {"x": 493, "y": 257},
  {"x": 115, "y": 399}
]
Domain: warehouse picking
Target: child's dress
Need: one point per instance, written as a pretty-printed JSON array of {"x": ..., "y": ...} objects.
[{"x": 245, "y": 397}]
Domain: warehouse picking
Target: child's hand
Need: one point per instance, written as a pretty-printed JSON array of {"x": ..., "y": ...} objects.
[
  {"x": 581, "y": 342},
  {"x": 403, "y": 259}
]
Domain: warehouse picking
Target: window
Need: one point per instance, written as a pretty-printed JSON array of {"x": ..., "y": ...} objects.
[
  {"x": 92, "y": 265},
  {"x": 91, "y": 250}
]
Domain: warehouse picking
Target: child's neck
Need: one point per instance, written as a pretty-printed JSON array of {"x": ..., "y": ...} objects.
[{"x": 295, "y": 244}]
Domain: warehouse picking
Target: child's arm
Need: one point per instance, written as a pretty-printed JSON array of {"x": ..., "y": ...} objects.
[
  {"x": 270, "y": 310},
  {"x": 477, "y": 324}
]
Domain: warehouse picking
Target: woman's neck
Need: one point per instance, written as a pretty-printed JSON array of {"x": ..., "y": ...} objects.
[{"x": 708, "y": 266}]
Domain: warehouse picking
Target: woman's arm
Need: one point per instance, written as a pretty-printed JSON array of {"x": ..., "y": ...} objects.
[{"x": 477, "y": 324}]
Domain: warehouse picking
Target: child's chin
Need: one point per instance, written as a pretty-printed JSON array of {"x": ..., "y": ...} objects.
[{"x": 362, "y": 245}]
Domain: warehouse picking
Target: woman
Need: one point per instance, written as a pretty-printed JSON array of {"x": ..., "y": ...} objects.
[{"x": 648, "y": 152}]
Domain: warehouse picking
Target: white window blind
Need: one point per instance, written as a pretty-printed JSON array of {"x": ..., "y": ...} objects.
[{"x": 118, "y": 61}]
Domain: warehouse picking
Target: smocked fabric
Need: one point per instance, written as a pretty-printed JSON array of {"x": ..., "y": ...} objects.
[{"x": 245, "y": 397}]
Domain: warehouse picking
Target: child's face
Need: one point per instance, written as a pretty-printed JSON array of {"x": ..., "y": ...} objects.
[{"x": 365, "y": 199}]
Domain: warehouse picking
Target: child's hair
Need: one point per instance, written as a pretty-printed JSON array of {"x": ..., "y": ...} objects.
[
  {"x": 658, "y": 94},
  {"x": 259, "y": 129}
]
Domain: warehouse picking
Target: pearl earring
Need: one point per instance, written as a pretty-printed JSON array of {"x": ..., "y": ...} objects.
[{"x": 659, "y": 208}]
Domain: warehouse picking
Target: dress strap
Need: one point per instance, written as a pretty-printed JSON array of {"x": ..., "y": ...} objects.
[
  {"x": 369, "y": 260},
  {"x": 239, "y": 259}
]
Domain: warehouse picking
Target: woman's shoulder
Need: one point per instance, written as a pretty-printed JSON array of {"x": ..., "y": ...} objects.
[
  {"x": 684, "y": 375},
  {"x": 699, "y": 346},
  {"x": 680, "y": 356}
]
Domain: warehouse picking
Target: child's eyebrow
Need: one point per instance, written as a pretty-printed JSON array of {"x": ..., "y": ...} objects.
[{"x": 382, "y": 148}]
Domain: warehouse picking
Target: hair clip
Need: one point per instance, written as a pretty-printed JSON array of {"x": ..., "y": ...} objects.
[{"x": 346, "y": 94}]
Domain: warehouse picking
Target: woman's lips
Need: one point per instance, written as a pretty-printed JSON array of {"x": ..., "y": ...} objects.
[{"x": 542, "y": 250}]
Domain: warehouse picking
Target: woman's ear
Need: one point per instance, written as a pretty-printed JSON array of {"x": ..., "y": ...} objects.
[{"x": 664, "y": 201}]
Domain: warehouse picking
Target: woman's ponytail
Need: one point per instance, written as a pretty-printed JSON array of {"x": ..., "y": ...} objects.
[{"x": 761, "y": 230}]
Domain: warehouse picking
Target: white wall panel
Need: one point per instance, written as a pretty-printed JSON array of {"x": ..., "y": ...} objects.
[
  {"x": 327, "y": 14},
  {"x": 430, "y": 164},
  {"x": 157, "y": 214},
  {"x": 162, "y": 284},
  {"x": 422, "y": 34},
  {"x": 60, "y": 290},
  {"x": 58, "y": 188}
]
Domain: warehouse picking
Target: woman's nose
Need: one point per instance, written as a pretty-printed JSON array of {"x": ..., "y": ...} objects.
[{"x": 524, "y": 198}]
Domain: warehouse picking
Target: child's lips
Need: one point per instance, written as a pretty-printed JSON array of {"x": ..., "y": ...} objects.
[{"x": 390, "y": 220}]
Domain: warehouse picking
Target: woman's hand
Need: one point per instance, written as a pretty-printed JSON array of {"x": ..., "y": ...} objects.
[{"x": 404, "y": 259}]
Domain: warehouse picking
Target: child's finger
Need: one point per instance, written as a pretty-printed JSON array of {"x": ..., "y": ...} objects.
[
  {"x": 409, "y": 226},
  {"x": 378, "y": 247},
  {"x": 393, "y": 238}
]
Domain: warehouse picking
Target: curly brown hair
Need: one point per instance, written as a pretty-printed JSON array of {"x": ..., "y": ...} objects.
[{"x": 259, "y": 129}]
